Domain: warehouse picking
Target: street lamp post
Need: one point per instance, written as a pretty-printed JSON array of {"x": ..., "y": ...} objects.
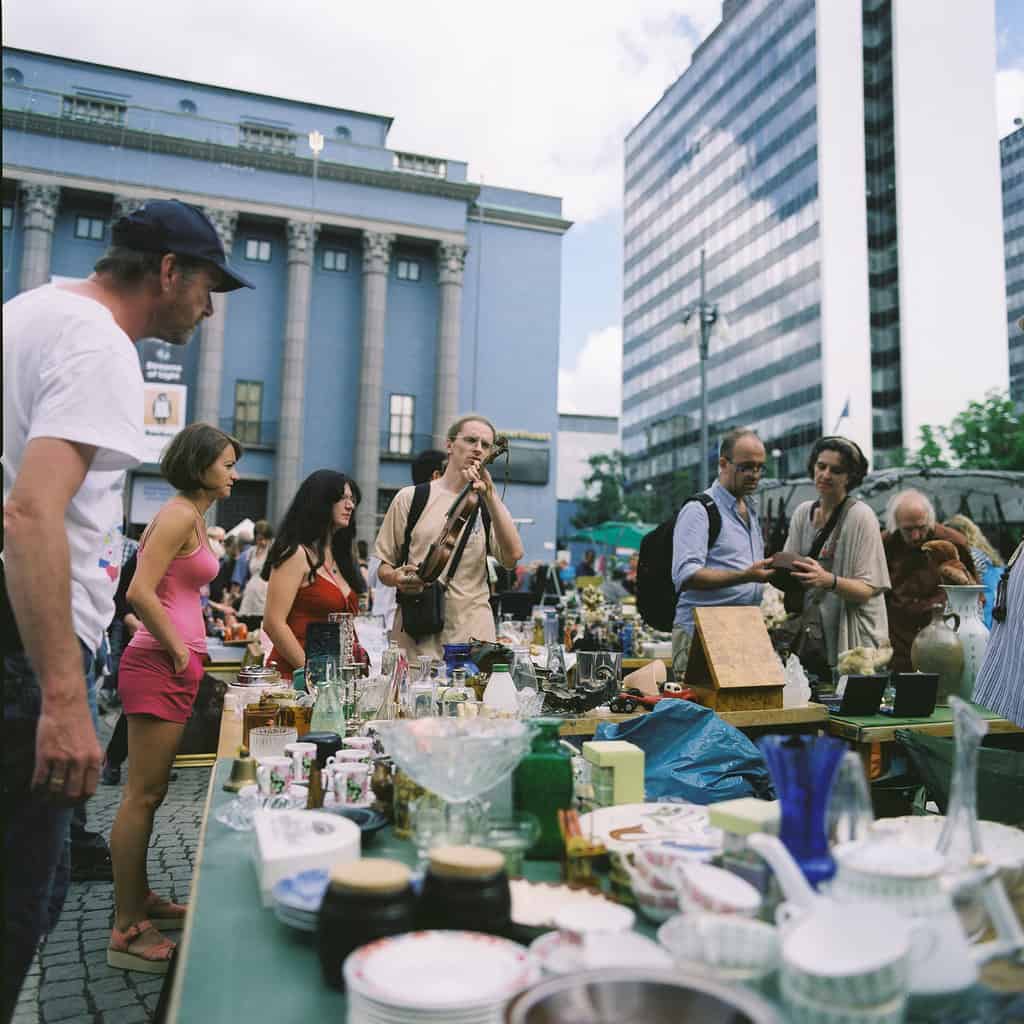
[
  {"x": 707, "y": 315},
  {"x": 316, "y": 144}
]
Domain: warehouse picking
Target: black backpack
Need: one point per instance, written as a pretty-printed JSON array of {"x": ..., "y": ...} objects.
[{"x": 656, "y": 594}]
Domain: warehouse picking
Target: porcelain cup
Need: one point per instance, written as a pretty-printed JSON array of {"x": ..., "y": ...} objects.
[
  {"x": 274, "y": 775},
  {"x": 800, "y": 1010},
  {"x": 350, "y": 783},
  {"x": 850, "y": 954},
  {"x": 303, "y": 756}
]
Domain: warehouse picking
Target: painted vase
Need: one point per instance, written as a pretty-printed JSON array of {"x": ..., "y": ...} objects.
[{"x": 972, "y": 631}]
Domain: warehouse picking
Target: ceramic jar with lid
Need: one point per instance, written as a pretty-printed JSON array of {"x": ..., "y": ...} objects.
[
  {"x": 466, "y": 888},
  {"x": 365, "y": 900}
]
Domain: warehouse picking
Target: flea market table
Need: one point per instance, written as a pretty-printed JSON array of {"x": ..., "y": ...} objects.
[{"x": 863, "y": 732}]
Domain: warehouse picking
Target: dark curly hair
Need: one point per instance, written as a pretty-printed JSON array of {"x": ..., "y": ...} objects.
[
  {"x": 855, "y": 465},
  {"x": 309, "y": 521}
]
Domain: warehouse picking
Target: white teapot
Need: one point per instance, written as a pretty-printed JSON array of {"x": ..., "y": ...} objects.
[{"x": 890, "y": 880}]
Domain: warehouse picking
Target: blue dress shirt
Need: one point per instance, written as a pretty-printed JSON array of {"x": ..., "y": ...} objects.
[{"x": 739, "y": 544}]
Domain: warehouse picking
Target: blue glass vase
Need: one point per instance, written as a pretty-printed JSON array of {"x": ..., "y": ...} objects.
[{"x": 803, "y": 769}]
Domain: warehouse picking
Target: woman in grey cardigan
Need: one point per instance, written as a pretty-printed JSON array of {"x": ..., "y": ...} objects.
[{"x": 849, "y": 577}]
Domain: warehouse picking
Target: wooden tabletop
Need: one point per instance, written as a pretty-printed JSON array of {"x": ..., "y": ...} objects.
[{"x": 585, "y": 725}]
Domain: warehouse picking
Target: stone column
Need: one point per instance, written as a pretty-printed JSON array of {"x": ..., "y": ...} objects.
[
  {"x": 451, "y": 264},
  {"x": 211, "y": 337},
  {"x": 39, "y": 214},
  {"x": 376, "y": 259},
  {"x": 301, "y": 242}
]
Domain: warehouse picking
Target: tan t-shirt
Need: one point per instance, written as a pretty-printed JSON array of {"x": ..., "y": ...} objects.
[{"x": 467, "y": 608}]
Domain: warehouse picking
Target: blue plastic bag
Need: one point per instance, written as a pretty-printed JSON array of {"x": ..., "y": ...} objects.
[{"x": 692, "y": 754}]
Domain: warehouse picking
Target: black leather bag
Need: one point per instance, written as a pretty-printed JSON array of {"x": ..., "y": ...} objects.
[
  {"x": 804, "y": 636},
  {"x": 423, "y": 613}
]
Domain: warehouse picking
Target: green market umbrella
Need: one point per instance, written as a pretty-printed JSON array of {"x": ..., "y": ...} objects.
[{"x": 616, "y": 534}]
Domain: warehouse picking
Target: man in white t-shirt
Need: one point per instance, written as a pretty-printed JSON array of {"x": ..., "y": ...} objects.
[{"x": 73, "y": 415}]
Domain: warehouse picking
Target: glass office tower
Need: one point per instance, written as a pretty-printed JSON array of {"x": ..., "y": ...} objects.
[
  {"x": 781, "y": 153},
  {"x": 1011, "y": 152}
]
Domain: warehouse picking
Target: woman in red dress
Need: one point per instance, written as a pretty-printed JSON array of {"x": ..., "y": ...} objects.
[{"x": 312, "y": 568}]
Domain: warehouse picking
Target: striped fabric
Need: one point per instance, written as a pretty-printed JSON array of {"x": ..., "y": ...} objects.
[{"x": 1000, "y": 682}]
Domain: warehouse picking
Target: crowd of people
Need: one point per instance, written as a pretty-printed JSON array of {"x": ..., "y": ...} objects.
[{"x": 73, "y": 425}]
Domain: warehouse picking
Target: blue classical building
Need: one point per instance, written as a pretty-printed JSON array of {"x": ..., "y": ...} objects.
[{"x": 392, "y": 293}]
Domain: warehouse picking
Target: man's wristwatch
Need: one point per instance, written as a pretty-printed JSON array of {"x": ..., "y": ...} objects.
[{"x": 835, "y": 582}]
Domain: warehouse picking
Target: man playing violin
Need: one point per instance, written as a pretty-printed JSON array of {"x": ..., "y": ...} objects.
[{"x": 467, "y": 609}]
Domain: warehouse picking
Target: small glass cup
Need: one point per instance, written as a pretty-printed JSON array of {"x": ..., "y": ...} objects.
[{"x": 512, "y": 836}]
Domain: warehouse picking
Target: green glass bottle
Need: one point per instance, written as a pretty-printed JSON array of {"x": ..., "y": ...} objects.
[{"x": 543, "y": 785}]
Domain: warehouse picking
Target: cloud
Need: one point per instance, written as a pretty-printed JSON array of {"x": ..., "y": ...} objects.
[
  {"x": 540, "y": 100},
  {"x": 593, "y": 386},
  {"x": 1009, "y": 98}
]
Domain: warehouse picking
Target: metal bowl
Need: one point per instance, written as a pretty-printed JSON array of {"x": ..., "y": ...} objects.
[{"x": 637, "y": 997}]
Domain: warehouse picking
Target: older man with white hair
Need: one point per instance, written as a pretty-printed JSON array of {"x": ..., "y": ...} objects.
[{"x": 916, "y": 584}]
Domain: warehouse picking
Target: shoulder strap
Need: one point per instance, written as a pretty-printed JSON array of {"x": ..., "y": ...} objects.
[
  {"x": 419, "y": 502},
  {"x": 714, "y": 515},
  {"x": 486, "y": 517},
  {"x": 824, "y": 533},
  {"x": 463, "y": 541}
]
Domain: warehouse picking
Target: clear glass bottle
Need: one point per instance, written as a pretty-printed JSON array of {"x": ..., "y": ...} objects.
[
  {"x": 328, "y": 711},
  {"x": 389, "y": 659},
  {"x": 421, "y": 690},
  {"x": 457, "y": 692}
]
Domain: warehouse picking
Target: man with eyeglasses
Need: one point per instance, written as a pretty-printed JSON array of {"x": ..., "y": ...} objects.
[
  {"x": 467, "y": 609},
  {"x": 916, "y": 586},
  {"x": 732, "y": 570}
]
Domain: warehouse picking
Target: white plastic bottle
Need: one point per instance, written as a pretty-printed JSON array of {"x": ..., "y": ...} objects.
[{"x": 500, "y": 694}]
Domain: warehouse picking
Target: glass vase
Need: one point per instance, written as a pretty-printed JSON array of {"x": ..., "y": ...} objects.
[{"x": 803, "y": 769}]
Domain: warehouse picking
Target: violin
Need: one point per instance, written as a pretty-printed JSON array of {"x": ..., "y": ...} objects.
[{"x": 459, "y": 514}]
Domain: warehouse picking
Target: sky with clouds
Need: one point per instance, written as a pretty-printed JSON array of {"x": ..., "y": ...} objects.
[{"x": 536, "y": 97}]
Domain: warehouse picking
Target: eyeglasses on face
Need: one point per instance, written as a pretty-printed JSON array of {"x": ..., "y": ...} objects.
[
  {"x": 485, "y": 446},
  {"x": 750, "y": 468}
]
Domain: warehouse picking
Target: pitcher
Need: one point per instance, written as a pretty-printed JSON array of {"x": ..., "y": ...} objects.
[{"x": 972, "y": 631}]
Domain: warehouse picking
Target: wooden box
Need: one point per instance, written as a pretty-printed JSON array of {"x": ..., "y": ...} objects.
[{"x": 732, "y": 665}]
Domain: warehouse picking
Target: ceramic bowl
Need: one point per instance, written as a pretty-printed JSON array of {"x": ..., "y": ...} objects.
[
  {"x": 800, "y": 1010},
  {"x": 703, "y": 888},
  {"x": 657, "y": 860},
  {"x": 731, "y": 947},
  {"x": 582, "y": 918},
  {"x": 656, "y": 905}
]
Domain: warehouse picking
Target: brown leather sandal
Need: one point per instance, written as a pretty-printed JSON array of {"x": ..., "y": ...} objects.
[
  {"x": 153, "y": 960},
  {"x": 165, "y": 913}
]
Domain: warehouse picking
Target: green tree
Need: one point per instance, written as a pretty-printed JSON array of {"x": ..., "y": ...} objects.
[
  {"x": 987, "y": 434},
  {"x": 930, "y": 454},
  {"x": 605, "y": 494}
]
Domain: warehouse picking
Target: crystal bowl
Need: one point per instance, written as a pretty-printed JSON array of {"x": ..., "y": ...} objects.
[{"x": 454, "y": 757}]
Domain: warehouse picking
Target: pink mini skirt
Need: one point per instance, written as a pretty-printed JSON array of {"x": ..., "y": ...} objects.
[{"x": 148, "y": 685}]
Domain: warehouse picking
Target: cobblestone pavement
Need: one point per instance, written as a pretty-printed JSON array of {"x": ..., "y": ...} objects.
[{"x": 70, "y": 980}]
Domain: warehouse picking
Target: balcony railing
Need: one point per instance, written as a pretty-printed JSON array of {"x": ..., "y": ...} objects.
[{"x": 224, "y": 143}]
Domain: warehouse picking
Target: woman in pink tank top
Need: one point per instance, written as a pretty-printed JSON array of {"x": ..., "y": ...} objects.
[{"x": 159, "y": 678}]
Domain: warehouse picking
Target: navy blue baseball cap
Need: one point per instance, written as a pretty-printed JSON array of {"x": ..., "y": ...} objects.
[{"x": 169, "y": 225}]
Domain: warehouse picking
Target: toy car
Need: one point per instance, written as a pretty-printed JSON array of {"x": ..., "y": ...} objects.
[{"x": 631, "y": 700}]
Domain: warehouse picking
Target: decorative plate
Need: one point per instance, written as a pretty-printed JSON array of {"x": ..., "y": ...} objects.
[
  {"x": 622, "y": 827},
  {"x": 428, "y": 970}
]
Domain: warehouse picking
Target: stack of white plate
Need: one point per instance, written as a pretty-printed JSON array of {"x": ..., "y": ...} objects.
[
  {"x": 436, "y": 977},
  {"x": 297, "y": 899}
]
